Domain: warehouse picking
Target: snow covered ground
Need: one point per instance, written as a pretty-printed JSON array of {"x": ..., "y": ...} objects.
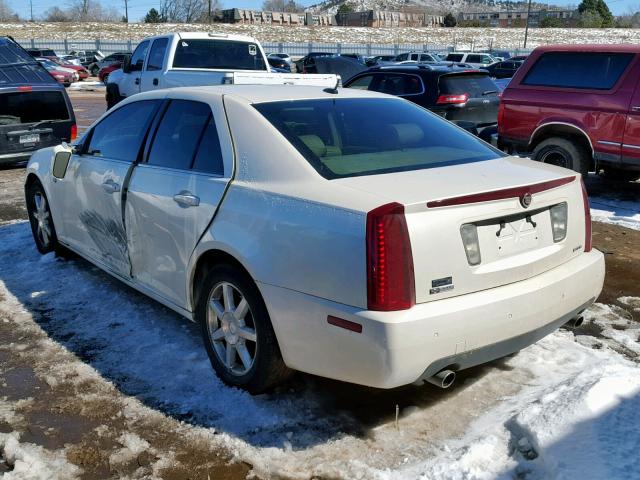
[
  {"x": 499, "y": 37},
  {"x": 567, "y": 407},
  {"x": 87, "y": 86},
  {"x": 618, "y": 212}
]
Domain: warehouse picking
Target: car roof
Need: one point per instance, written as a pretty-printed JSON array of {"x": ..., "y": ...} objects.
[
  {"x": 433, "y": 67},
  {"x": 205, "y": 35},
  {"x": 259, "y": 93},
  {"x": 612, "y": 48}
]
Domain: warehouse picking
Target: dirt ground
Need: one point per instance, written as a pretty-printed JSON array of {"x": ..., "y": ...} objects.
[{"x": 50, "y": 414}]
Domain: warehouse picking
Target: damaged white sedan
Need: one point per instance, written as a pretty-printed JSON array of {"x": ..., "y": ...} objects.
[{"x": 343, "y": 233}]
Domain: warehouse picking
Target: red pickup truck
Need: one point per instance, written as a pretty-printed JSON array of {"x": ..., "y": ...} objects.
[{"x": 577, "y": 106}]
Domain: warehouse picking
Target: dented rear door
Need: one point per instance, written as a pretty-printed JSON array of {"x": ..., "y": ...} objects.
[{"x": 174, "y": 193}]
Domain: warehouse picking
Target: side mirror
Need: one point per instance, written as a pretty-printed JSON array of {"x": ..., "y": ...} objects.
[
  {"x": 126, "y": 65},
  {"x": 60, "y": 163}
]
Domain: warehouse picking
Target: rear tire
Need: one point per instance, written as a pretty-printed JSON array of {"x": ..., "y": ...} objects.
[
  {"x": 564, "y": 153},
  {"x": 237, "y": 331}
]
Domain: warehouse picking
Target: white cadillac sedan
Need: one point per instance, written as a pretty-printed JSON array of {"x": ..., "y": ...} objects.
[{"x": 344, "y": 233}]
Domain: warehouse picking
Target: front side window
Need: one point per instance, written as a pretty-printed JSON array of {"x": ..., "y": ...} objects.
[
  {"x": 137, "y": 59},
  {"x": 221, "y": 54},
  {"x": 599, "y": 71},
  {"x": 454, "y": 57},
  {"x": 474, "y": 58},
  {"x": 367, "y": 136},
  {"x": 156, "y": 56},
  {"x": 119, "y": 136},
  {"x": 179, "y": 134}
]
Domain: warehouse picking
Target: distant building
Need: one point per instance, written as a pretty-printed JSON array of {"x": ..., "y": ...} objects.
[
  {"x": 514, "y": 17},
  {"x": 382, "y": 18},
  {"x": 239, "y": 15}
]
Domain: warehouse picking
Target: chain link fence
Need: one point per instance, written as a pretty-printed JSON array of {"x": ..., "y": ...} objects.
[{"x": 291, "y": 48}]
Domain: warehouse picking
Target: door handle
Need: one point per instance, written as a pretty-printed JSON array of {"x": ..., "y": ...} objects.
[
  {"x": 137, "y": 81},
  {"x": 155, "y": 81},
  {"x": 110, "y": 186},
  {"x": 636, "y": 108},
  {"x": 186, "y": 199}
]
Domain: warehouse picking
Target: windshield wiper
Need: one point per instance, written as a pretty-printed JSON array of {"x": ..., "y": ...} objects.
[
  {"x": 489, "y": 92},
  {"x": 42, "y": 122}
]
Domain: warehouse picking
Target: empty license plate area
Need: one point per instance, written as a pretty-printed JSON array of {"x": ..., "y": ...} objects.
[
  {"x": 514, "y": 234},
  {"x": 29, "y": 138}
]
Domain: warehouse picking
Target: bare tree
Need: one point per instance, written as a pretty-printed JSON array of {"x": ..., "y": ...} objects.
[
  {"x": 91, "y": 11},
  {"x": 56, "y": 14},
  {"x": 188, "y": 11},
  {"x": 289, "y": 6},
  {"x": 6, "y": 14}
]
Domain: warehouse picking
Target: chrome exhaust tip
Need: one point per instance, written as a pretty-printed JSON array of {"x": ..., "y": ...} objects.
[
  {"x": 575, "y": 322},
  {"x": 443, "y": 379}
]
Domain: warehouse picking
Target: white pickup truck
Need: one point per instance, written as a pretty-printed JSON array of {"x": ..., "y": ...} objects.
[{"x": 199, "y": 58}]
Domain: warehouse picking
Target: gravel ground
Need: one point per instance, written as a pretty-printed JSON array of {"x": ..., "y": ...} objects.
[{"x": 76, "y": 417}]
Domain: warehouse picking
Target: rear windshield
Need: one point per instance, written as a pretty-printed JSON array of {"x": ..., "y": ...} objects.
[
  {"x": 29, "y": 107},
  {"x": 223, "y": 54},
  {"x": 367, "y": 136},
  {"x": 599, "y": 71},
  {"x": 47, "y": 53},
  {"x": 475, "y": 85}
]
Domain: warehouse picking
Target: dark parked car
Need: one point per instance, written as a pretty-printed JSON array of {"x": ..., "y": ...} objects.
[
  {"x": 504, "y": 69},
  {"x": 465, "y": 96},
  {"x": 279, "y": 63},
  {"x": 118, "y": 57},
  {"x": 577, "y": 106},
  {"x": 306, "y": 63},
  {"x": 35, "y": 111}
]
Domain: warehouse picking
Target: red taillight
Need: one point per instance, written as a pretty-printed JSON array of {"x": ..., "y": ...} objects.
[
  {"x": 588, "y": 241},
  {"x": 390, "y": 278},
  {"x": 452, "y": 99},
  {"x": 25, "y": 88},
  {"x": 74, "y": 131}
]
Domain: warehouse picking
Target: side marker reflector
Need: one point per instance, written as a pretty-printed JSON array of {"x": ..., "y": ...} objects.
[{"x": 346, "y": 324}]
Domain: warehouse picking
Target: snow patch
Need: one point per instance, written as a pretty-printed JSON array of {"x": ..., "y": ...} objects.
[{"x": 616, "y": 212}]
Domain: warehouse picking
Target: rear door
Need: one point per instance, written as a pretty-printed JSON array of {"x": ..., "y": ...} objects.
[
  {"x": 151, "y": 77},
  {"x": 174, "y": 194},
  {"x": 631, "y": 140},
  {"x": 468, "y": 96},
  {"x": 95, "y": 185}
]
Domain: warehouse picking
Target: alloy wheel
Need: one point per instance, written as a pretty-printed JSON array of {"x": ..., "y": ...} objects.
[
  {"x": 231, "y": 328},
  {"x": 43, "y": 219}
]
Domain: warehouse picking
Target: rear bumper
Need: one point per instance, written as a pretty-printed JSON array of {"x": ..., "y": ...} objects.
[
  {"x": 8, "y": 158},
  {"x": 398, "y": 348}
]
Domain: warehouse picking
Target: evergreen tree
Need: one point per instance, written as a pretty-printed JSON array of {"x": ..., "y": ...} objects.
[
  {"x": 590, "y": 9},
  {"x": 450, "y": 20},
  {"x": 153, "y": 17}
]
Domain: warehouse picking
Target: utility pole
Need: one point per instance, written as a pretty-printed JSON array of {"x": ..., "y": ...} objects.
[
  {"x": 31, "y": 6},
  {"x": 526, "y": 27},
  {"x": 209, "y": 16},
  {"x": 126, "y": 11}
]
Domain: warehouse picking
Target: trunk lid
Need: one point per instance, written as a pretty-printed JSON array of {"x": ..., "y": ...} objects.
[{"x": 515, "y": 243}]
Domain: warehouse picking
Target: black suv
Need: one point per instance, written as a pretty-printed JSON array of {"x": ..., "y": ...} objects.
[
  {"x": 465, "y": 96},
  {"x": 35, "y": 111}
]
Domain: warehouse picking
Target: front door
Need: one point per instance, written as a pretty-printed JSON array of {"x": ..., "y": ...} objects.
[
  {"x": 174, "y": 194},
  {"x": 152, "y": 75},
  {"x": 631, "y": 139},
  {"x": 93, "y": 215},
  {"x": 130, "y": 84}
]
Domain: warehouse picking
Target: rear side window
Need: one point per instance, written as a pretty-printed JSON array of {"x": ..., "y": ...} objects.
[
  {"x": 27, "y": 107},
  {"x": 187, "y": 139},
  {"x": 599, "y": 71},
  {"x": 454, "y": 57},
  {"x": 361, "y": 83},
  {"x": 119, "y": 135},
  {"x": 156, "y": 56},
  {"x": 222, "y": 54},
  {"x": 367, "y": 136},
  {"x": 474, "y": 85},
  {"x": 398, "y": 84}
]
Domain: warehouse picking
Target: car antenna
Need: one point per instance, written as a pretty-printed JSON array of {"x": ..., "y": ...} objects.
[{"x": 333, "y": 90}]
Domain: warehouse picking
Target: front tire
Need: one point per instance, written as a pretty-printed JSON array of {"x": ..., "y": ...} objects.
[
  {"x": 237, "y": 331},
  {"x": 564, "y": 153},
  {"x": 42, "y": 228}
]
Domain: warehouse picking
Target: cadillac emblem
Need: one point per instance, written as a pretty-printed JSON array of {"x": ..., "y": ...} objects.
[{"x": 525, "y": 200}]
